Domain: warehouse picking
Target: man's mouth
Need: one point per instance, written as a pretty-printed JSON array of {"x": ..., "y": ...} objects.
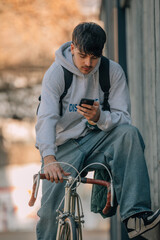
[{"x": 87, "y": 68}]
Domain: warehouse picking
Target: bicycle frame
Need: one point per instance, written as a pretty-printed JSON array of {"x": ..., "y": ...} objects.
[{"x": 71, "y": 208}]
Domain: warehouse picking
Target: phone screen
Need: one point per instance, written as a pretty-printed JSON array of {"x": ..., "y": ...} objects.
[{"x": 86, "y": 101}]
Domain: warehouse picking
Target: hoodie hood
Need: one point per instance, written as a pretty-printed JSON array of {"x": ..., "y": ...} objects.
[{"x": 63, "y": 57}]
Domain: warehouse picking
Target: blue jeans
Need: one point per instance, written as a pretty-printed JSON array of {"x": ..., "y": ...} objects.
[{"x": 123, "y": 150}]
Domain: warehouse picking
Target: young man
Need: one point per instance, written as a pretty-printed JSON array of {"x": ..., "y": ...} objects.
[{"x": 68, "y": 138}]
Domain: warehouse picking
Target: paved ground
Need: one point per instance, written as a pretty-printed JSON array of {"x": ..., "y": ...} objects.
[{"x": 93, "y": 235}]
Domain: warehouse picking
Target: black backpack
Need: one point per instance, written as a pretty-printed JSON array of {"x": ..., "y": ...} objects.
[{"x": 104, "y": 81}]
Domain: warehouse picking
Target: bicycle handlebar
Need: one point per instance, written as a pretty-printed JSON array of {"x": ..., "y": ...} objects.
[
  {"x": 102, "y": 183},
  {"x": 83, "y": 180}
]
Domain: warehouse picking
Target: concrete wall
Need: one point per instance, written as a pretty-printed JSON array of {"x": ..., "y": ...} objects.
[
  {"x": 143, "y": 60},
  {"x": 142, "y": 36}
]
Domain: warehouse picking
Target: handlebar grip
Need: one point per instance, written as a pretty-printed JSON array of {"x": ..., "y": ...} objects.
[
  {"x": 107, "y": 207},
  {"x": 33, "y": 197},
  {"x": 42, "y": 176}
]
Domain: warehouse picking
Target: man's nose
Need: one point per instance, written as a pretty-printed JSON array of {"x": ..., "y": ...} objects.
[{"x": 88, "y": 62}]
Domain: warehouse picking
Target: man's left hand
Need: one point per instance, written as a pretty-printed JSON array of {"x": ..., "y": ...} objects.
[{"x": 91, "y": 113}]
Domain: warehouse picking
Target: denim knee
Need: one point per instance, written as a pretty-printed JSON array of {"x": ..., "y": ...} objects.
[{"x": 132, "y": 134}]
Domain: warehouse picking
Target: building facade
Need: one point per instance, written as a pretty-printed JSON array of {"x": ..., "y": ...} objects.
[{"x": 133, "y": 29}]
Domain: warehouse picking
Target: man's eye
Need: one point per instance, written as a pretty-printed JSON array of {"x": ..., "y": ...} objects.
[
  {"x": 82, "y": 56},
  {"x": 94, "y": 57}
]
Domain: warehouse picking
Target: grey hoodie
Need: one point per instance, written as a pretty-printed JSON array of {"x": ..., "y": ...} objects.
[{"x": 53, "y": 130}]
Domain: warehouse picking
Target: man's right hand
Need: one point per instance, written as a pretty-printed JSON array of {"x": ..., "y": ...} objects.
[{"x": 53, "y": 172}]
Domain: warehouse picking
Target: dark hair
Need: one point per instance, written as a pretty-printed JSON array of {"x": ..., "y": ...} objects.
[{"x": 89, "y": 38}]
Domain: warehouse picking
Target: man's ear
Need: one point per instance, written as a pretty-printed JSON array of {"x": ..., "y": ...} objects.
[{"x": 72, "y": 48}]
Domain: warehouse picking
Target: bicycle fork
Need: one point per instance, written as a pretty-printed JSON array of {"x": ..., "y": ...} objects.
[{"x": 73, "y": 208}]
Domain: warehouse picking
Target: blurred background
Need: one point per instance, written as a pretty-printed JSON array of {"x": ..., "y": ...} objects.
[{"x": 30, "y": 33}]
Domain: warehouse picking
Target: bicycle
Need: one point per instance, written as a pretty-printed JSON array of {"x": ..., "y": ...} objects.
[{"x": 70, "y": 219}]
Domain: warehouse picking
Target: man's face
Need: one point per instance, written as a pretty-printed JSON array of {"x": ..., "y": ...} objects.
[{"x": 84, "y": 62}]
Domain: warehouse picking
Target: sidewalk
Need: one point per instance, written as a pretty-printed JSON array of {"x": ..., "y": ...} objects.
[{"x": 88, "y": 235}]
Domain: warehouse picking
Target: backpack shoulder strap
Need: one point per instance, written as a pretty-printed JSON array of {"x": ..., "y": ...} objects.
[
  {"x": 68, "y": 77},
  {"x": 104, "y": 80}
]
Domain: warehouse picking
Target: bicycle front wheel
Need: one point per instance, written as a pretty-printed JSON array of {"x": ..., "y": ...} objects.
[{"x": 67, "y": 231}]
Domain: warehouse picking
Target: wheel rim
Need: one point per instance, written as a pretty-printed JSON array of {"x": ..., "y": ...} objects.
[{"x": 65, "y": 232}]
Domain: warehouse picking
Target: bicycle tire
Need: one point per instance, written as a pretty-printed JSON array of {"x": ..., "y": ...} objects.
[
  {"x": 78, "y": 232},
  {"x": 67, "y": 231}
]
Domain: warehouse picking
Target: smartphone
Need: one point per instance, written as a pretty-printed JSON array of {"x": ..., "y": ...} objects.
[{"x": 86, "y": 101}]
